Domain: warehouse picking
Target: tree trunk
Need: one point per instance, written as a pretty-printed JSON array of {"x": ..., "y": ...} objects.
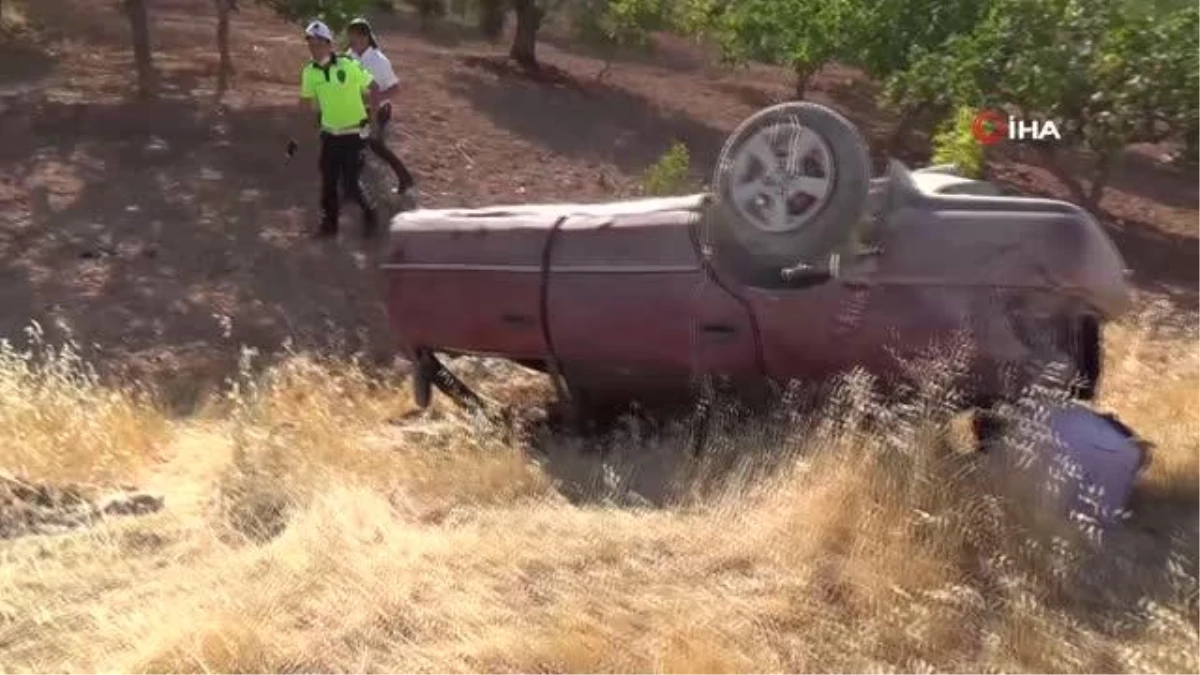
[
  {"x": 908, "y": 122},
  {"x": 524, "y": 45},
  {"x": 1087, "y": 198},
  {"x": 226, "y": 69},
  {"x": 1103, "y": 171},
  {"x": 491, "y": 18},
  {"x": 804, "y": 74},
  {"x": 1191, "y": 147},
  {"x": 139, "y": 25}
]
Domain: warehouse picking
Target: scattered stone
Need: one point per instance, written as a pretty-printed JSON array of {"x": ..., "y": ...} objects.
[
  {"x": 32, "y": 509},
  {"x": 131, "y": 504}
]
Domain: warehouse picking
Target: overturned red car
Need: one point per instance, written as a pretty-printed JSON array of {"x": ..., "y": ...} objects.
[{"x": 797, "y": 265}]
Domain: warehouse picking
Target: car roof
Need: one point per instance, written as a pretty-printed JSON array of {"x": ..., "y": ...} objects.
[{"x": 543, "y": 215}]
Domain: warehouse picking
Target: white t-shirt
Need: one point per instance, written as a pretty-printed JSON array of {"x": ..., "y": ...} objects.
[
  {"x": 1108, "y": 460},
  {"x": 378, "y": 65}
]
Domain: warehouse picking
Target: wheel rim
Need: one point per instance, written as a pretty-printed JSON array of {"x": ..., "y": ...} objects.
[{"x": 781, "y": 177}]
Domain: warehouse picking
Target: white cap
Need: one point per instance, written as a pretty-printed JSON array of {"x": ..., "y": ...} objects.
[{"x": 320, "y": 30}]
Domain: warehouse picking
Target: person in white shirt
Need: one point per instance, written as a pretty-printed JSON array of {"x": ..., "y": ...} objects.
[
  {"x": 385, "y": 84},
  {"x": 1088, "y": 460},
  {"x": 1101, "y": 459}
]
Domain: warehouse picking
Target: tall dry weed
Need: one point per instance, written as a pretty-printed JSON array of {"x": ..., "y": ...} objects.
[
  {"x": 863, "y": 537},
  {"x": 309, "y": 423},
  {"x": 62, "y": 424}
]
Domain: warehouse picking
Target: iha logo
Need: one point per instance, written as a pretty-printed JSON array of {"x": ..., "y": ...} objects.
[{"x": 991, "y": 126}]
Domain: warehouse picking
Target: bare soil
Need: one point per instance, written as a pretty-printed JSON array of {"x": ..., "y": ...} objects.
[{"x": 164, "y": 234}]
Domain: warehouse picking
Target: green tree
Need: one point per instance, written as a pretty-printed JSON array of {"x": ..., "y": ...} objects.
[
  {"x": 611, "y": 24},
  {"x": 671, "y": 174},
  {"x": 955, "y": 144},
  {"x": 888, "y": 34},
  {"x": 618, "y": 25},
  {"x": 803, "y": 34},
  {"x": 1179, "y": 76},
  {"x": 529, "y": 15},
  {"x": 883, "y": 37},
  {"x": 1108, "y": 75}
]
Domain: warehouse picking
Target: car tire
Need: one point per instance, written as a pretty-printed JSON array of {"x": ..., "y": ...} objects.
[
  {"x": 754, "y": 231},
  {"x": 422, "y": 379},
  {"x": 1087, "y": 355},
  {"x": 1073, "y": 340}
]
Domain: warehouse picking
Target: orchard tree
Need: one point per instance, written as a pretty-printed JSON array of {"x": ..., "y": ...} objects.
[
  {"x": 617, "y": 25},
  {"x": 529, "y": 21},
  {"x": 610, "y": 23},
  {"x": 529, "y": 15},
  {"x": 1180, "y": 77},
  {"x": 889, "y": 33},
  {"x": 803, "y": 34},
  {"x": 1106, "y": 74},
  {"x": 882, "y": 37}
]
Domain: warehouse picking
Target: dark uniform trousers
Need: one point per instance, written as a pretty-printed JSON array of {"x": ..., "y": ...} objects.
[{"x": 341, "y": 165}]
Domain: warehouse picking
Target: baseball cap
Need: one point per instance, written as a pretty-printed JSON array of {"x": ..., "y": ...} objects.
[
  {"x": 318, "y": 29},
  {"x": 364, "y": 26}
]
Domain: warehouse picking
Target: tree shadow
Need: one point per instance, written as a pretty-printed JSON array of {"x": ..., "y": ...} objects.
[
  {"x": 1176, "y": 186},
  {"x": 22, "y": 65},
  {"x": 163, "y": 236},
  {"x": 582, "y": 119},
  {"x": 753, "y": 95},
  {"x": 448, "y": 32},
  {"x": 653, "y": 459},
  {"x": 665, "y": 52},
  {"x": 1161, "y": 262}
]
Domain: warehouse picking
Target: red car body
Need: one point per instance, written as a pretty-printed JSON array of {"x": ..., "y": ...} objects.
[{"x": 627, "y": 304}]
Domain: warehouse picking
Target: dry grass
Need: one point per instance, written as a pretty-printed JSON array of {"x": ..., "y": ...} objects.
[
  {"x": 334, "y": 533},
  {"x": 12, "y": 16},
  {"x": 61, "y": 425}
]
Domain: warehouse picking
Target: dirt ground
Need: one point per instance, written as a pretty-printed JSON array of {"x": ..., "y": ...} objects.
[{"x": 161, "y": 235}]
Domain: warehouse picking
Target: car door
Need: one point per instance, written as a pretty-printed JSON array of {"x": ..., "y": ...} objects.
[
  {"x": 633, "y": 312},
  {"x": 822, "y": 328},
  {"x": 468, "y": 281}
]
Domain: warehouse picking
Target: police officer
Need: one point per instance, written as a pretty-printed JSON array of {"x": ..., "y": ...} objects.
[{"x": 337, "y": 86}]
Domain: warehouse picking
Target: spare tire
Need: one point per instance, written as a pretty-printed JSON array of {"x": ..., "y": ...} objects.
[{"x": 790, "y": 187}]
